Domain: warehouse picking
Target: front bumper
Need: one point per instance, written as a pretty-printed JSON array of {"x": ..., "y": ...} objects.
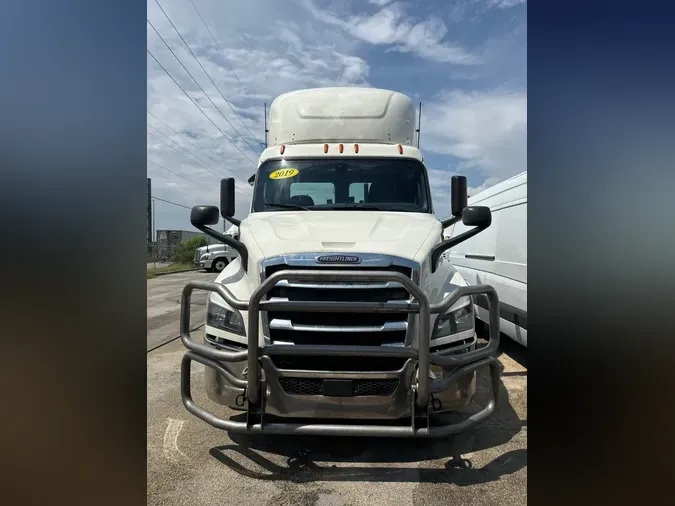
[
  {"x": 260, "y": 391},
  {"x": 294, "y": 392}
]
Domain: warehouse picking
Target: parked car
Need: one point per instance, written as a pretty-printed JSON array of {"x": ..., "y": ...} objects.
[{"x": 498, "y": 255}]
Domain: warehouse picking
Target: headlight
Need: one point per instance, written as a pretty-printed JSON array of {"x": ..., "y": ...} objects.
[
  {"x": 203, "y": 257},
  {"x": 452, "y": 323},
  {"x": 225, "y": 319}
]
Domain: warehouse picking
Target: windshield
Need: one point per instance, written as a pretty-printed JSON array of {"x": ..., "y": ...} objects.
[{"x": 344, "y": 184}]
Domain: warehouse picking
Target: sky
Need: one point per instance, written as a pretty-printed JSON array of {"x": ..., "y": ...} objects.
[{"x": 465, "y": 60}]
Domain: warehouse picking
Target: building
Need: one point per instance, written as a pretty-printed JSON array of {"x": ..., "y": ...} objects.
[
  {"x": 175, "y": 237},
  {"x": 167, "y": 240}
]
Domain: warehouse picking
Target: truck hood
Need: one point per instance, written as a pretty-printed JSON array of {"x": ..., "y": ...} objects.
[{"x": 393, "y": 233}]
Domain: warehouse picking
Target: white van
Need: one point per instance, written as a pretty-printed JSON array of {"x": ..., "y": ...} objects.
[{"x": 498, "y": 255}]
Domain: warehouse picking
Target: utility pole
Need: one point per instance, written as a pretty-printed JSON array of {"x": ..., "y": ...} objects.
[
  {"x": 150, "y": 215},
  {"x": 149, "y": 212},
  {"x": 153, "y": 245},
  {"x": 266, "y": 125},
  {"x": 153, "y": 221},
  {"x": 419, "y": 125}
]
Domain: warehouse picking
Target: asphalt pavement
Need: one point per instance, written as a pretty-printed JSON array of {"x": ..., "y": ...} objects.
[
  {"x": 192, "y": 463},
  {"x": 164, "y": 294}
]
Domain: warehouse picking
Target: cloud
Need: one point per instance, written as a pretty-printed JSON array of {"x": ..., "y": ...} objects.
[
  {"x": 505, "y": 4},
  {"x": 476, "y": 132},
  {"x": 391, "y": 26},
  {"x": 491, "y": 181},
  {"x": 485, "y": 131},
  {"x": 287, "y": 56}
]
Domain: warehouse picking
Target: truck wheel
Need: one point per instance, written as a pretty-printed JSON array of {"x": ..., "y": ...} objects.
[{"x": 219, "y": 264}]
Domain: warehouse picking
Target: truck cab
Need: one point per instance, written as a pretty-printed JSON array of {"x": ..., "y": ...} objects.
[
  {"x": 341, "y": 303},
  {"x": 215, "y": 257}
]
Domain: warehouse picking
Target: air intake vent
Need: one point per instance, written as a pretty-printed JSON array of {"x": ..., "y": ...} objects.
[{"x": 361, "y": 387}]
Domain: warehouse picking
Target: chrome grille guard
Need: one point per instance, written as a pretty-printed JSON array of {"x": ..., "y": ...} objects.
[{"x": 419, "y": 427}]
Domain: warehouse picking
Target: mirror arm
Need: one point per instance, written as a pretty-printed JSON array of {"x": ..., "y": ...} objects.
[
  {"x": 450, "y": 221},
  {"x": 233, "y": 220},
  {"x": 442, "y": 247},
  {"x": 233, "y": 243}
]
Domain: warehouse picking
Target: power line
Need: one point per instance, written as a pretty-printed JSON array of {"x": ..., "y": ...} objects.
[
  {"x": 218, "y": 46},
  {"x": 200, "y": 163},
  {"x": 207, "y": 75},
  {"x": 197, "y": 105},
  {"x": 224, "y": 58},
  {"x": 175, "y": 173},
  {"x": 177, "y": 143},
  {"x": 202, "y": 166},
  {"x": 184, "y": 138},
  {"x": 199, "y": 85},
  {"x": 169, "y": 202},
  {"x": 174, "y": 142}
]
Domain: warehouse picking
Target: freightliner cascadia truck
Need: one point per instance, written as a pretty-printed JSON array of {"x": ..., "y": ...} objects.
[{"x": 341, "y": 314}]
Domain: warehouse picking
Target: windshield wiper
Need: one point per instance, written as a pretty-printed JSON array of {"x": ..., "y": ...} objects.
[{"x": 288, "y": 206}]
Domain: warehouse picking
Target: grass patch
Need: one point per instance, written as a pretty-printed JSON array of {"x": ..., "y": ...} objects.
[{"x": 152, "y": 272}]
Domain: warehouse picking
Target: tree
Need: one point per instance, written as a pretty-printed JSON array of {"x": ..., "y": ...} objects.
[{"x": 184, "y": 252}]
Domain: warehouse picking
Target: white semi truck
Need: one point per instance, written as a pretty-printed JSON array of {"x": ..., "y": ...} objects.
[
  {"x": 215, "y": 257},
  {"x": 341, "y": 314}
]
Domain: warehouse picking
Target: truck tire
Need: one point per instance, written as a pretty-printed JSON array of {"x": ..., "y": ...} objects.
[{"x": 219, "y": 264}]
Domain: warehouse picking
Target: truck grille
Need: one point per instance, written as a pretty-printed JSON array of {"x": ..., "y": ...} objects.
[
  {"x": 366, "y": 329},
  {"x": 361, "y": 387}
]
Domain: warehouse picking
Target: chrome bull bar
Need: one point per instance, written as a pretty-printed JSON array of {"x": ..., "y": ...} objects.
[{"x": 465, "y": 363}]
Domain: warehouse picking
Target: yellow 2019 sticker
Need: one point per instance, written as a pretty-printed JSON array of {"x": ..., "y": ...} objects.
[{"x": 284, "y": 173}]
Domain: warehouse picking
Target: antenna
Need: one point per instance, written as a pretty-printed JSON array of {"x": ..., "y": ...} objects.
[
  {"x": 419, "y": 125},
  {"x": 266, "y": 124}
]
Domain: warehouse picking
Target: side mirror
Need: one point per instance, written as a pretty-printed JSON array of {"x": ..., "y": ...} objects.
[
  {"x": 204, "y": 215},
  {"x": 251, "y": 180},
  {"x": 227, "y": 198},
  {"x": 458, "y": 195},
  {"x": 477, "y": 216}
]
